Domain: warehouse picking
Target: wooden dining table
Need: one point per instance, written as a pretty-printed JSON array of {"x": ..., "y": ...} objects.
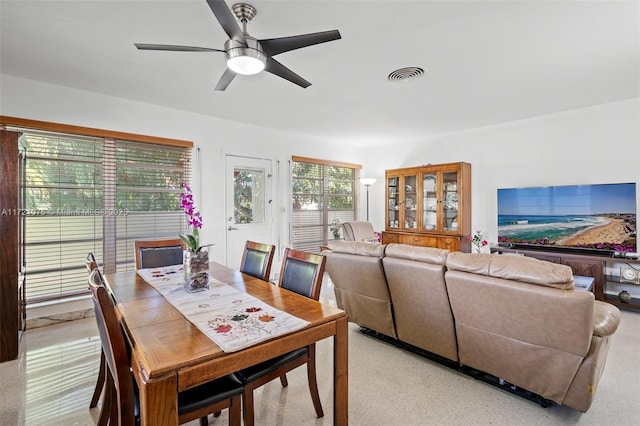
[{"x": 169, "y": 354}]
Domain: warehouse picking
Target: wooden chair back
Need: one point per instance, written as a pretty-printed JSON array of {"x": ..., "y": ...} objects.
[
  {"x": 158, "y": 253},
  {"x": 90, "y": 262},
  {"x": 116, "y": 355},
  {"x": 302, "y": 272},
  {"x": 257, "y": 259},
  {"x": 96, "y": 279}
]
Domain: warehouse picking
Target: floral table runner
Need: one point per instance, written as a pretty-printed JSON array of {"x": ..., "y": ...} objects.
[{"x": 234, "y": 320}]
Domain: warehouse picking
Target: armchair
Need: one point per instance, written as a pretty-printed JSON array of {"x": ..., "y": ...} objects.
[{"x": 359, "y": 231}]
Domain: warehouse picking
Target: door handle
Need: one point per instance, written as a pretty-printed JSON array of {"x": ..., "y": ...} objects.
[{"x": 231, "y": 228}]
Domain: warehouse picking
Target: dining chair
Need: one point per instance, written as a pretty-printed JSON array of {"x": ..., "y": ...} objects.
[
  {"x": 194, "y": 403},
  {"x": 256, "y": 259},
  {"x": 92, "y": 264},
  {"x": 158, "y": 253},
  {"x": 301, "y": 273}
]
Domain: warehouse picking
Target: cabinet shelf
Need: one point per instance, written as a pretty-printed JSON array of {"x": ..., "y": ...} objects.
[
  {"x": 615, "y": 300},
  {"x": 616, "y": 279},
  {"x": 613, "y": 284}
]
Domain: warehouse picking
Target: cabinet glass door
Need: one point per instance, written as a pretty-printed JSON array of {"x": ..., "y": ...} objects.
[
  {"x": 450, "y": 201},
  {"x": 393, "y": 200},
  {"x": 410, "y": 202},
  {"x": 429, "y": 201}
]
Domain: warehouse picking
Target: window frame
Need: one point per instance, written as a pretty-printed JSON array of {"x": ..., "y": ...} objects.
[
  {"x": 106, "y": 229},
  {"x": 327, "y": 213}
]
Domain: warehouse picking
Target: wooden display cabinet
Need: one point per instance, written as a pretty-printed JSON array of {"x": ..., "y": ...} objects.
[{"x": 429, "y": 206}]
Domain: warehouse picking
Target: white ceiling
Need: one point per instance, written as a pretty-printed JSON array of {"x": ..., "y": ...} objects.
[{"x": 488, "y": 61}]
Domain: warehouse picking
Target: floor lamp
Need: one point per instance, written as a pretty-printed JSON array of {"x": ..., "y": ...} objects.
[{"x": 367, "y": 182}]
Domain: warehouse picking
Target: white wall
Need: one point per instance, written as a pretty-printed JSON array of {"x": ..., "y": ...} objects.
[
  {"x": 599, "y": 144},
  {"x": 215, "y": 138},
  {"x": 45, "y": 102}
]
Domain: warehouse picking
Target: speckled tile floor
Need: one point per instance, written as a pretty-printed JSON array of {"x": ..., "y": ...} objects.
[{"x": 52, "y": 380}]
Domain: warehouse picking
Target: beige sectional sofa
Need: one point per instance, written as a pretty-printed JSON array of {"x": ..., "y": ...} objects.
[{"x": 515, "y": 318}]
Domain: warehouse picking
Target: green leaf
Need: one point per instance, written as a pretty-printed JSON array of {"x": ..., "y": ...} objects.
[{"x": 190, "y": 241}]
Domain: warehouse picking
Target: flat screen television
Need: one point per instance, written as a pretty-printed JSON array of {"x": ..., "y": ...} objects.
[{"x": 595, "y": 219}]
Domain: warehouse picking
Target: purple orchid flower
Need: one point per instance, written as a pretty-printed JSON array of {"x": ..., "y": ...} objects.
[{"x": 194, "y": 219}]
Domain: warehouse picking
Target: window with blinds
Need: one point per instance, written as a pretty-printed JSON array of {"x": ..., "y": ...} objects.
[
  {"x": 94, "y": 194},
  {"x": 324, "y": 193},
  {"x": 148, "y": 181}
]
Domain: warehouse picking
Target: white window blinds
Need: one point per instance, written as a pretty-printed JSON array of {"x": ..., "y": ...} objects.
[
  {"x": 94, "y": 194},
  {"x": 148, "y": 182},
  {"x": 323, "y": 193}
]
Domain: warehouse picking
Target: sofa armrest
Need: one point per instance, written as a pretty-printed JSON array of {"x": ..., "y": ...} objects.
[{"x": 606, "y": 318}]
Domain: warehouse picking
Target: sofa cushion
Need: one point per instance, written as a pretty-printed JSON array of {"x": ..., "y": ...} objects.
[
  {"x": 422, "y": 314},
  {"x": 419, "y": 254},
  {"x": 517, "y": 268},
  {"x": 357, "y": 247},
  {"x": 531, "y": 335},
  {"x": 360, "y": 284}
]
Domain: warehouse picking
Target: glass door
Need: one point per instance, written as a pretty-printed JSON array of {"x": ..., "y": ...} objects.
[
  {"x": 248, "y": 205},
  {"x": 430, "y": 201},
  {"x": 393, "y": 202},
  {"x": 450, "y": 201},
  {"x": 410, "y": 205}
]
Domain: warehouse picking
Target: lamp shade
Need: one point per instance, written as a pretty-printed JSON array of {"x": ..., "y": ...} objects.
[
  {"x": 245, "y": 61},
  {"x": 367, "y": 181}
]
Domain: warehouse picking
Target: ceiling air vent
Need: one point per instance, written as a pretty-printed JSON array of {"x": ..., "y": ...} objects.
[{"x": 405, "y": 74}]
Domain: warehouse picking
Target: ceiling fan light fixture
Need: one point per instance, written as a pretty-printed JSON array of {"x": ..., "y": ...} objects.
[
  {"x": 245, "y": 61},
  {"x": 245, "y": 54}
]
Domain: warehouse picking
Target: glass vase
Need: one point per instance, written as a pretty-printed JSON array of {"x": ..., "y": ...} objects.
[{"x": 196, "y": 270}]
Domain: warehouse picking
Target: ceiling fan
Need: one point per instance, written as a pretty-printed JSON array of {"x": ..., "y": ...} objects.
[{"x": 245, "y": 54}]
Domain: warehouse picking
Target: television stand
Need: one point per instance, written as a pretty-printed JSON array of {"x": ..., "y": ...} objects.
[
  {"x": 605, "y": 270},
  {"x": 560, "y": 249}
]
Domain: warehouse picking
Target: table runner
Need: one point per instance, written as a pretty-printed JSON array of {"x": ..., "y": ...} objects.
[{"x": 233, "y": 319}]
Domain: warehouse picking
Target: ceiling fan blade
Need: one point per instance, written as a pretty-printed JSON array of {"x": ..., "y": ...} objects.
[
  {"x": 174, "y": 48},
  {"x": 276, "y": 68},
  {"x": 227, "y": 20},
  {"x": 225, "y": 80},
  {"x": 275, "y": 46}
]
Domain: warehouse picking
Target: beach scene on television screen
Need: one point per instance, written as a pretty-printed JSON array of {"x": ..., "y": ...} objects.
[{"x": 599, "y": 217}]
